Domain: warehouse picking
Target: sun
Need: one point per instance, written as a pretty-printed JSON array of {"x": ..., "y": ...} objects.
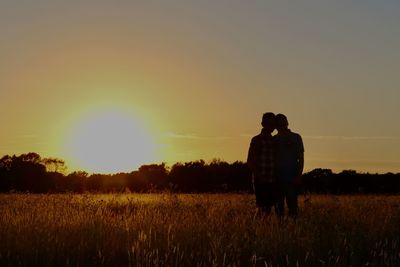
[{"x": 110, "y": 142}]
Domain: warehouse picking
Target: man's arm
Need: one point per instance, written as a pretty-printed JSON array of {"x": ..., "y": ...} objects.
[
  {"x": 300, "y": 161},
  {"x": 300, "y": 167},
  {"x": 250, "y": 156},
  {"x": 301, "y": 164}
]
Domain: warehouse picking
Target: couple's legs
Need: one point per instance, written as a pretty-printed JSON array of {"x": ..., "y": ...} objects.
[
  {"x": 289, "y": 193},
  {"x": 273, "y": 195},
  {"x": 291, "y": 200},
  {"x": 264, "y": 198}
]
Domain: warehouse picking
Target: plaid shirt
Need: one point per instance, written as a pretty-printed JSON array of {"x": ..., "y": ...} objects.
[{"x": 261, "y": 158}]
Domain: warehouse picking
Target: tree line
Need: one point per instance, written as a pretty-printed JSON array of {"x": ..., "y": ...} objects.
[{"x": 32, "y": 173}]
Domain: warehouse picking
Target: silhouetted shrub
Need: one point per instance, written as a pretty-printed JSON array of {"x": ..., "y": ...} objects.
[{"x": 30, "y": 172}]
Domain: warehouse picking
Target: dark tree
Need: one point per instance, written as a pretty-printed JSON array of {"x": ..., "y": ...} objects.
[{"x": 30, "y": 172}]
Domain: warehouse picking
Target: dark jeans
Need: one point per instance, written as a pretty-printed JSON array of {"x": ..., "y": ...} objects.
[
  {"x": 288, "y": 192},
  {"x": 266, "y": 195}
]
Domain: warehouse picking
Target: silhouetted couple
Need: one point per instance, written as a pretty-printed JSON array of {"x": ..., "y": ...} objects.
[{"x": 277, "y": 165}]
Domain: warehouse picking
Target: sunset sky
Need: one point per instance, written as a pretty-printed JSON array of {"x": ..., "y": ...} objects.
[{"x": 193, "y": 78}]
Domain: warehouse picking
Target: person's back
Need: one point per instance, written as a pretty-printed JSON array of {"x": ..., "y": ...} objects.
[
  {"x": 289, "y": 162},
  {"x": 288, "y": 151}
]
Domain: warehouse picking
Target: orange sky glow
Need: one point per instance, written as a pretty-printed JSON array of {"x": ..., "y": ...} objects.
[{"x": 109, "y": 86}]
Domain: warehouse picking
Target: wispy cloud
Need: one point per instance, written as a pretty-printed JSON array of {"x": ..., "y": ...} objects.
[
  {"x": 182, "y": 136},
  {"x": 335, "y": 137},
  {"x": 356, "y": 160},
  {"x": 26, "y": 136},
  {"x": 193, "y": 136},
  {"x": 246, "y": 135}
]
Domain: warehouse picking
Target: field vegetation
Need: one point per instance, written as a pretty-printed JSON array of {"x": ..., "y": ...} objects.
[{"x": 195, "y": 230}]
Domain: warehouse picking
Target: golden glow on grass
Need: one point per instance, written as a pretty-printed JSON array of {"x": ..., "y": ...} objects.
[
  {"x": 166, "y": 230},
  {"x": 111, "y": 141}
]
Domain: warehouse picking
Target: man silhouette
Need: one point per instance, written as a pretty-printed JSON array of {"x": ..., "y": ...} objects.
[
  {"x": 260, "y": 159},
  {"x": 289, "y": 163}
]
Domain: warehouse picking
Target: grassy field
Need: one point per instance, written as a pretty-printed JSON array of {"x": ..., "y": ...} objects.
[{"x": 195, "y": 230}]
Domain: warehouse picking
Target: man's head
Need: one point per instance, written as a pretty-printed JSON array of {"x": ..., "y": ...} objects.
[
  {"x": 268, "y": 122},
  {"x": 281, "y": 122}
]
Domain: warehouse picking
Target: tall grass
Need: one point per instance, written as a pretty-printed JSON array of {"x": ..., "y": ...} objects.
[{"x": 195, "y": 230}]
